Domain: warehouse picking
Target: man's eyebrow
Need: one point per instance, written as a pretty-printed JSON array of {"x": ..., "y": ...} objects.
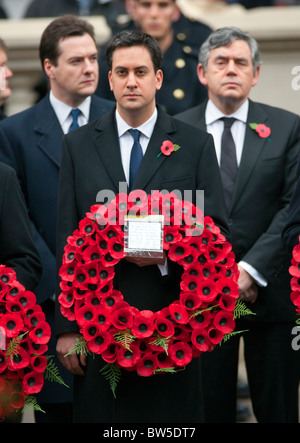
[{"x": 226, "y": 57}]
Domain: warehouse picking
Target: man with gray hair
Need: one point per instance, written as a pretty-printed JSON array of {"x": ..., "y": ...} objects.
[{"x": 257, "y": 148}]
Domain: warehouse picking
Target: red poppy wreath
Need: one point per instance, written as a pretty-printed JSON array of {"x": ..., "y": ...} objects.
[
  {"x": 24, "y": 334},
  {"x": 145, "y": 341},
  {"x": 295, "y": 280}
]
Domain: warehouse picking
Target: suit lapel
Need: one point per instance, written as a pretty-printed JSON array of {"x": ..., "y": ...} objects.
[
  {"x": 253, "y": 146},
  {"x": 107, "y": 145},
  {"x": 49, "y": 131},
  {"x": 152, "y": 161}
]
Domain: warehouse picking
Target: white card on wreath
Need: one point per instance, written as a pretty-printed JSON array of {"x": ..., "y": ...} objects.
[{"x": 144, "y": 235}]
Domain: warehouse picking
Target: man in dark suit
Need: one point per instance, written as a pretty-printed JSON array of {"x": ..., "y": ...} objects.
[
  {"x": 31, "y": 142},
  {"x": 179, "y": 39},
  {"x": 17, "y": 248},
  {"x": 134, "y": 61},
  {"x": 258, "y": 182},
  {"x": 5, "y": 75}
]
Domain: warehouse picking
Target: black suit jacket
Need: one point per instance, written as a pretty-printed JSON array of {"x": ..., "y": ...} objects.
[
  {"x": 17, "y": 249},
  {"x": 99, "y": 167},
  {"x": 264, "y": 186}
]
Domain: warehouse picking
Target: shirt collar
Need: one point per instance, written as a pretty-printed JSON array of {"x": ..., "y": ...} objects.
[
  {"x": 213, "y": 114},
  {"x": 146, "y": 128},
  {"x": 63, "y": 110}
]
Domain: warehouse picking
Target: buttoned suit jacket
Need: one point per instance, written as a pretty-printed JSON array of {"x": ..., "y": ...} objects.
[
  {"x": 31, "y": 143},
  {"x": 259, "y": 208},
  {"x": 17, "y": 250},
  {"x": 192, "y": 167}
]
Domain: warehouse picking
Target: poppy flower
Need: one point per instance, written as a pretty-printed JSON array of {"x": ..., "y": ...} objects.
[
  {"x": 227, "y": 302},
  {"x": 27, "y": 299},
  {"x": 38, "y": 363},
  {"x": 224, "y": 321},
  {"x": 3, "y": 363},
  {"x": 68, "y": 312},
  {"x": 112, "y": 298},
  {"x": 128, "y": 358},
  {"x": 215, "y": 335},
  {"x": 164, "y": 360},
  {"x": 207, "y": 290},
  {"x": 110, "y": 353},
  {"x": 17, "y": 400},
  {"x": 263, "y": 130},
  {"x": 171, "y": 235},
  {"x": 85, "y": 314},
  {"x": 190, "y": 300},
  {"x": 35, "y": 318},
  {"x": 179, "y": 251},
  {"x": 139, "y": 202},
  {"x": 178, "y": 313},
  {"x": 100, "y": 342},
  {"x": 7, "y": 275},
  {"x": 294, "y": 270},
  {"x": 143, "y": 325},
  {"x": 87, "y": 226},
  {"x": 116, "y": 247},
  {"x": 295, "y": 298},
  {"x": 91, "y": 254},
  {"x": 228, "y": 287},
  {"x": 36, "y": 348},
  {"x": 19, "y": 359},
  {"x": 164, "y": 327},
  {"x": 12, "y": 324},
  {"x": 33, "y": 382},
  {"x": 4, "y": 288},
  {"x": 66, "y": 299},
  {"x": 102, "y": 317},
  {"x": 67, "y": 272},
  {"x": 122, "y": 318},
  {"x": 181, "y": 353},
  {"x": 15, "y": 289},
  {"x": 201, "y": 320},
  {"x": 41, "y": 333},
  {"x": 147, "y": 365},
  {"x": 200, "y": 339},
  {"x": 167, "y": 147}
]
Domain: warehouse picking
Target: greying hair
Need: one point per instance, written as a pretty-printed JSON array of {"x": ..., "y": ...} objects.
[{"x": 225, "y": 37}]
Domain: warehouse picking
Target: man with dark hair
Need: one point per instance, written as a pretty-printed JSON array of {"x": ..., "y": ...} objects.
[
  {"x": 5, "y": 75},
  {"x": 134, "y": 77},
  {"x": 179, "y": 40},
  {"x": 257, "y": 147},
  {"x": 31, "y": 142}
]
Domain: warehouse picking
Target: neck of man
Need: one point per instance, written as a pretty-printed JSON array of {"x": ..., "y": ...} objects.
[
  {"x": 136, "y": 117},
  {"x": 227, "y": 105}
]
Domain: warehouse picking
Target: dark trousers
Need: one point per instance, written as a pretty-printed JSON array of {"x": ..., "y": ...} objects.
[{"x": 273, "y": 369}]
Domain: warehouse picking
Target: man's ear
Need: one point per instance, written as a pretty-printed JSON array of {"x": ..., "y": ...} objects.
[
  {"x": 201, "y": 74},
  {"x": 109, "y": 80}
]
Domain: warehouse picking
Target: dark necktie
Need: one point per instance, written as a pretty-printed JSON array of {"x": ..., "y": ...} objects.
[
  {"x": 75, "y": 114},
  {"x": 228, "y": 164},
  {"x": 136, "y": 156}
]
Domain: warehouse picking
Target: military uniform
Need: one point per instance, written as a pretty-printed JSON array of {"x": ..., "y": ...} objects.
[{"x": 181, "y": 88}]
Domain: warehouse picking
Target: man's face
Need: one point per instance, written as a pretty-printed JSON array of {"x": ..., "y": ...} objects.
[
  {"x": 134, "y": 82},
  {"x": 76, "y": 75},
  {"x": 155, "y": 17},
  {"x": 229, "y": 74},
  {"x": 5, "y": 75}
]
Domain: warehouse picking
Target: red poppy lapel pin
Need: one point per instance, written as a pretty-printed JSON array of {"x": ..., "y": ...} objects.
[
  {"x": 168, "y": 147},
  {"x": 262, "y": 130}
]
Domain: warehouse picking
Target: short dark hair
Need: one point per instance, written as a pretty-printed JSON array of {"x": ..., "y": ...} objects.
[
  {"x": 127, "y": 39},
  {"x": 59, "y": 29}
]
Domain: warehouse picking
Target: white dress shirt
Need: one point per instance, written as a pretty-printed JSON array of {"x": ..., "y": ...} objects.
[
  {"x": 126, "y": 143},
  {"x": 215, "y": 127},
  {"x": 126, "y": 140},
  {"x": 62, "y": 112}
]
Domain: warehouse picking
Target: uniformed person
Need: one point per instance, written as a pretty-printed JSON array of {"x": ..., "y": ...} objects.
[{"x": 179, "y": 39}]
